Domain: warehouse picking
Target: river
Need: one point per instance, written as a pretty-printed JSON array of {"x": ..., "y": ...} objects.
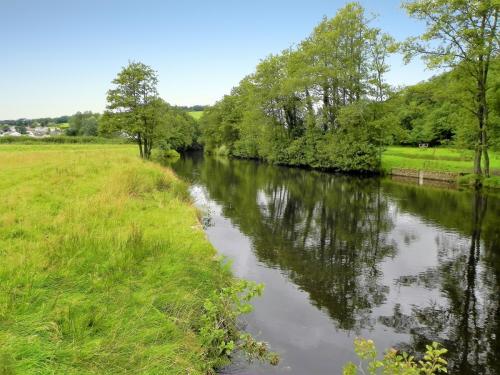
[{"x": 343, "y": 257}]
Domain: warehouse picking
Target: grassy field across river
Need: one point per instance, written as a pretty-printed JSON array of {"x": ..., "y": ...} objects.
[
  {"x": 438, "y": 159},
  {"x": 104, "y": 266}
]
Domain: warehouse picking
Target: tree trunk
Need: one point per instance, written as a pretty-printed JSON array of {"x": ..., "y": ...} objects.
[
  {"x": 477, "y": 159},
  {"x": 480, "y": 96},
  {"x": 326, "y": 108},
  {"x": 150, "y": 147},
  {"x": 145, "y": 146},
  {"x": 311, "y": 120},
  {"x": 139, "y": 143},
  {"x": 485, "y": 154}
]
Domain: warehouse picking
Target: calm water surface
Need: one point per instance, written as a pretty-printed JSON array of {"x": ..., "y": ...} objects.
[{"x": 343, "y": 257}]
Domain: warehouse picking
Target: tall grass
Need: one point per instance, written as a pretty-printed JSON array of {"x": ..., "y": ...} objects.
[{"x": 103, "y": 264}]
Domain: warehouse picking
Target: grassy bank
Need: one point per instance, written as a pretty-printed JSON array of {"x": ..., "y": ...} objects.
[
  {"x": 439, "y": 160},
  {"x": 103, "y": 264}
]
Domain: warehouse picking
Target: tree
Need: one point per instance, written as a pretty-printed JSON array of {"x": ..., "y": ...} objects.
[
  {"x": 461, "y": 34},
  {"x": 134, "y": 106},
  {"x": 83, "y": 124}
]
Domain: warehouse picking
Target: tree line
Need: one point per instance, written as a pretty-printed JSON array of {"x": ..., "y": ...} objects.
[
  {"x": 311, "y": 105},
  {"x": 326, "y": 104}
]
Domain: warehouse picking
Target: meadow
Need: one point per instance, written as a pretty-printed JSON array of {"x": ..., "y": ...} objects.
[
  {"x": 440, "y": 160},
  {"x": 435, "y": 159},
  {"x": 104, "y": 267},
  {"x": 196, "y": 114}
]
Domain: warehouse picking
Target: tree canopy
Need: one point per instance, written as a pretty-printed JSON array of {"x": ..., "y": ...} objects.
[
  {"x": 135, "y": 109},
  {"x": 310, "y": 105}
]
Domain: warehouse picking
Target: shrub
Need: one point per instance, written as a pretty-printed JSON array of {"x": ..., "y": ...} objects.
[
  {"x": 164, "y": 155},
  {"x": 220, "y": 332},
  {"x": 394, "y": 362}
]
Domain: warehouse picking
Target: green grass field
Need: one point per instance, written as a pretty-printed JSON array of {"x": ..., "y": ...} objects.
[
  {"x": 435, "y": 159},
  {"x": 104, "y": 266},
  {"x": 196, "y": 114},
  {"x": 438, "y": 159}
]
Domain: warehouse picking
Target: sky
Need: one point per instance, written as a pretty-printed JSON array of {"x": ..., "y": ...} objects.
[{"x": 60, "y": 56}]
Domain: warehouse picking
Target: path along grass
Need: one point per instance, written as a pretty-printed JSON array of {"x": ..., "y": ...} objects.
[{"x": 103, "y": 264}]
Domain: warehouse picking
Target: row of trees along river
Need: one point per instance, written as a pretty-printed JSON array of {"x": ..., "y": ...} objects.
[{"x": 325, "y": 103}]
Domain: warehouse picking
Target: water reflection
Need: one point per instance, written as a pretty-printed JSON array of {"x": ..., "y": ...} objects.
[{"x": 350, "y": 256}]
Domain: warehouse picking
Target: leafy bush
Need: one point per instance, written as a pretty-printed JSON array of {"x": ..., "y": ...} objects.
[
  {"x": 394, "y": 362},
  {"x": 164, "y": 155},
  {"x": 219, "y": 151},
  {"x": 220, "y": 332}
]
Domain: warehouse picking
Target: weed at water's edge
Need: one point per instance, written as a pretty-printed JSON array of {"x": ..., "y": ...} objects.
[
  {"x": 395, "y": 362},
  {"x": 220, "y": 333}
]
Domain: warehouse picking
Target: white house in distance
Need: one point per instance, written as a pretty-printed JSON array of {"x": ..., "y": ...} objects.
[
  {"x": 36, "y": 132},
  {"x": 12, "y": 132}
]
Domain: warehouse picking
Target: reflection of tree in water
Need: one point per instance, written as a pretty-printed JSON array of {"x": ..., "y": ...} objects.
[
  {"x": 328, "y": 233},
  {"x": 467, "y": 321}
]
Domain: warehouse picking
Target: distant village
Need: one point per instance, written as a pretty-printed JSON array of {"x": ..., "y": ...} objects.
[{"x": 29, "y": 131}]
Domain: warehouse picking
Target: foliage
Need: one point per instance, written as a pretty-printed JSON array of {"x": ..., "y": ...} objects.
[
  {"x": 463, "y": 35},
  {"x": 135, "y": 109},
  {"x": 395, "y": 363},
  {"x": 83, "y": 124},
  {"x": 164, "y": 156},
  {"x": 439, "y": 112},
  {"x": 294, "y": 109},
  {"x": 220, "y": 332},
  {"x": 133, "y": 106}
]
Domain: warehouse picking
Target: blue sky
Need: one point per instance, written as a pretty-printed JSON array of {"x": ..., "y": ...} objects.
[{"x": 60, "y": 56}]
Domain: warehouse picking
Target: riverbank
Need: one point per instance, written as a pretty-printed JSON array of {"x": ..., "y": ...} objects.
[
  {"x": 441, "y": 164},
  {"x": 104, "y": 266}
]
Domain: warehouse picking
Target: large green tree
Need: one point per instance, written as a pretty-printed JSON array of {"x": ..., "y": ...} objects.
[
  {"x": 134, "y": 106},
  {"x": 461, "y": 34}
]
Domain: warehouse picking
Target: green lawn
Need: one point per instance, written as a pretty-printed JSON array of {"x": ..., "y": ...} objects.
[
  {"x": 435, "y": 159},
  {"x": 438, "y": 159},
  {"x": 196, "y": 114},
  {"x": 104, "y": 266}
]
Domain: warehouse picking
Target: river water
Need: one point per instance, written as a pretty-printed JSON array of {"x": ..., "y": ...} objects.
[{"x": 343, "y": 257}]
